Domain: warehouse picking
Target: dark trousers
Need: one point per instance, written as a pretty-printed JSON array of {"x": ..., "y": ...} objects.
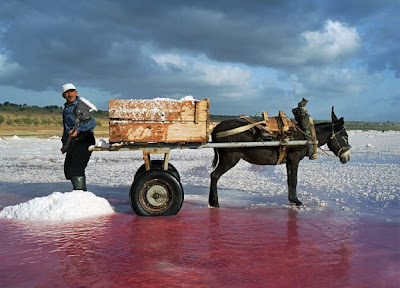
[{"x": 78, "y": 155}]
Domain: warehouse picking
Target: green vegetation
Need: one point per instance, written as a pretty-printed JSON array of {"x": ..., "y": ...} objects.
[
  {"x": 31, "y": 120},
  {"x": 15, "y": 117},
  {"x": 219, "y": 118},
  {"x": 23, "y": 115},
  {"x": 382, "y": 126},
  {"x": 350, "y": 125}
]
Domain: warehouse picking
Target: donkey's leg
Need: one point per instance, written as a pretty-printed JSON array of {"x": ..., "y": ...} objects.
[
  {"x": 291, "y": 168},
  {"x": 225, "y": 162}
]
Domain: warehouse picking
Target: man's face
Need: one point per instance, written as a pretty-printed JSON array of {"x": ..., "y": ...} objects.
[{"x": 70, "y": 95}]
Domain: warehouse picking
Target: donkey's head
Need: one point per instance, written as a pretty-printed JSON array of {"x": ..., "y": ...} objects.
[{"x": 339, "y": 141}]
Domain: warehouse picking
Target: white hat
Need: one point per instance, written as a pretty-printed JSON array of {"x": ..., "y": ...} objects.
[{"x": 68, "y": 86}]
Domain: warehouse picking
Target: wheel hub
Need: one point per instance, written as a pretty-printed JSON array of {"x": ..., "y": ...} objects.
[{"x": 157, "y": 195}]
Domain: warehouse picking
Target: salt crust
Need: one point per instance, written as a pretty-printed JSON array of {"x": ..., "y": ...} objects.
[
  {"x": 157, "y": 108},
  {"x": 371, "y": 176}
]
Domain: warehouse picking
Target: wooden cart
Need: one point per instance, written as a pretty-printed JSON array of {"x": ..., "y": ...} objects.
[{"x": 155, "y": 127}]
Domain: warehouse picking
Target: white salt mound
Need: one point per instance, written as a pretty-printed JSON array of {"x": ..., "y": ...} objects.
[
  {"x": 188, "y": 98},
  {"x": 59, "y": 206}
]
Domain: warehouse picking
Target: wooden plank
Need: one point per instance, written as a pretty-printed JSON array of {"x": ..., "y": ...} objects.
[
  {"x": 159, "y": 120},
  {"x": 196, "y": 113},
  {"x": 159, "y": 110},
  {"x": 121, "y": 131}
]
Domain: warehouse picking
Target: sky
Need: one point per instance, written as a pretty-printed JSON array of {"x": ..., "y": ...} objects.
[{"x": 245, "y": 56}]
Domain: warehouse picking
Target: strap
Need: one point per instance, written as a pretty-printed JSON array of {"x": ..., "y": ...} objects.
[
  {"x": 251, "y": 120},
  {"x": 314, "y": 137},
  {"x": 283, "y": 127},
  {"x": 282, "y": 154},
  {"x": 238, "y": 129}
]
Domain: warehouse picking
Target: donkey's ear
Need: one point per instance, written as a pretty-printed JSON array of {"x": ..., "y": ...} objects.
[
  {"x": 334, "y": 118},
  {"x": 340, "y": 122}
]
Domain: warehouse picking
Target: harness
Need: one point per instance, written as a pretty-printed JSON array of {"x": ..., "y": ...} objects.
[
  {"x": 333, "y": 137},
  {"x": 278, "y": 127},
  {"x": 273, "y": 128},
  {"x": 337, "y": 142}
]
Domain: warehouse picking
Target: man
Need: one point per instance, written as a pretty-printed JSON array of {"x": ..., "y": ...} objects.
[{"x": 79, "y": 123}]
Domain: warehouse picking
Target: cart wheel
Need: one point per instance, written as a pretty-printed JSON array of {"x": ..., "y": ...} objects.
[
  {"x": 156, "y": 193},
  {"x": 158, "y": 165}
]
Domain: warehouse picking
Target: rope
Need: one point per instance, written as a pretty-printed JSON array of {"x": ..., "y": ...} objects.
[
  {"x": 326, "y": 153},
  {"x": 308, "y": 136},
  {"x": 304, "y": 133},
  {"x": 237, "y": 130}
]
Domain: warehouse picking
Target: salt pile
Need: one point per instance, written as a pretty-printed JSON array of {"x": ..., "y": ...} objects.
[
  {"x": 188, "y": 98},
  {"x": 185, "y": 98},
  {"x": 155, "y": 109},
  {"x": 59, "y": 206}
]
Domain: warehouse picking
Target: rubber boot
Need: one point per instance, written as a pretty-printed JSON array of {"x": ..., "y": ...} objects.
[{"x": 79, "y": 183}]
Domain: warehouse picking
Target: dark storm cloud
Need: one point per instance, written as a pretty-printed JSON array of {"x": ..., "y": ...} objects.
[{"x": 110, "y": 45}]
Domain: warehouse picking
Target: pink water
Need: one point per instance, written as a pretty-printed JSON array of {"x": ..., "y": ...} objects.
[{"x": 201, "y": 247}]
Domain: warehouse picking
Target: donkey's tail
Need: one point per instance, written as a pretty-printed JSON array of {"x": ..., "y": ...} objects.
[{"x": 215, "y": 160}]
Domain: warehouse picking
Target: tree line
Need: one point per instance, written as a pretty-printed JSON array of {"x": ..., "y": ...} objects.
[
  {"x": 24, "y": 115},
  {"x": 42, "y": 117},
  {"x": 23, "y": 107}
]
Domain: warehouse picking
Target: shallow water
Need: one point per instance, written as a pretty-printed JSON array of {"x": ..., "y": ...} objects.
[
  {"x": 347, "y": 235},
  {"x": 200, "y": 247}
]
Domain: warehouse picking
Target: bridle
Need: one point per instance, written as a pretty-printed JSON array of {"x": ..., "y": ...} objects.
[{"x": 333, "y": 137}]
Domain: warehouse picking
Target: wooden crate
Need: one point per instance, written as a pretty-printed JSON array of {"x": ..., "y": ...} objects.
[{"x": 159, "y": 120}]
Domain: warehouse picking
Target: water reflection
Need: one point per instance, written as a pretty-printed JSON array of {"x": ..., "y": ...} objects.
[
  {"x": 292, "y": 231},
  {"x": 197, "y": 248},
  {"x": 51, "y": 252}
]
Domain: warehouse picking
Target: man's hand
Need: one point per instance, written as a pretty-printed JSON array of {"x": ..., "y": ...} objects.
[{"x": 73, "y": 133}]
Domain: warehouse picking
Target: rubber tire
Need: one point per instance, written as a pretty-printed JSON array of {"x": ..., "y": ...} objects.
[
  {"x": 158, "y": 165},
  {"x": 153, "y": 181}
]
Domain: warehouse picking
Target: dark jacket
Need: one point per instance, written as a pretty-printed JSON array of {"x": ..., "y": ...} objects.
[{"x": 69, "y": 118}]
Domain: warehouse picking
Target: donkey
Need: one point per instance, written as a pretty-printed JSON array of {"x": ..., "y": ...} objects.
[{"x": 333, "y": 134}]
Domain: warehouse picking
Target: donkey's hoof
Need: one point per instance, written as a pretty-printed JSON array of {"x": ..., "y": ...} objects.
[{"x": 298, "y": 203}]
